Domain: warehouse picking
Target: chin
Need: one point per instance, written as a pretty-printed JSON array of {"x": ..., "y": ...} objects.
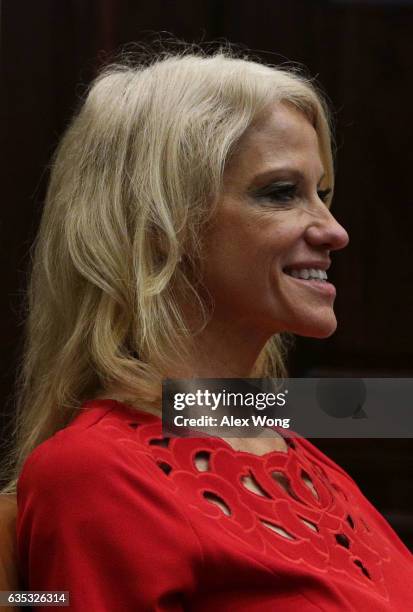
[
  {"x": 316, "y": 329},
  {"x": 320, "y": 334}
]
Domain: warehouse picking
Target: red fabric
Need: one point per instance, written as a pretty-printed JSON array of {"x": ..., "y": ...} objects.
[{"x": 126, "y": 522}]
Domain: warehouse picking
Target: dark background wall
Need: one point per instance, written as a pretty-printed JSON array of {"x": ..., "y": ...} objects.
[{"x": 361, "y": 53}]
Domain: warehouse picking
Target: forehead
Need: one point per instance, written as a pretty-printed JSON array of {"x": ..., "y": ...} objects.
[{"x": 282, "y": 137}]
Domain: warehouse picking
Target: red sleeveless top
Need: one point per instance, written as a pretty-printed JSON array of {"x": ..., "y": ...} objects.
[{"x": 126, "y": 520}]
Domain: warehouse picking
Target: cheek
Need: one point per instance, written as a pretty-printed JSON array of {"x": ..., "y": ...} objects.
[
  {"x": 286, "y": 243},
  {"x": 229, "y": 263},
  {"x": 243, "y": 253},
  {"x": 233, "y": 259},
  {"x": 226, "y": 243}
]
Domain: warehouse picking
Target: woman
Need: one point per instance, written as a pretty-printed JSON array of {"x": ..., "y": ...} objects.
[{"x": 186, "y": 218}]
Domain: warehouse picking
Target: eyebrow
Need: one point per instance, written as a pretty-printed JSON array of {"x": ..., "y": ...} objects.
[{"x": 262, "y": 177}]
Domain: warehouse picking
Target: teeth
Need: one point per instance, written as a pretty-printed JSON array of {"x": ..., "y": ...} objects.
[{"x": 307, "y": 273}]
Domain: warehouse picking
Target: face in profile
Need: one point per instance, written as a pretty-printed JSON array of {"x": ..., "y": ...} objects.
[{"x": 267, "y": 252}]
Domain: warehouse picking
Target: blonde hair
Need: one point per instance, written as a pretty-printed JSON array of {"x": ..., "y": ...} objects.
[{"x": 134, "y": 181}]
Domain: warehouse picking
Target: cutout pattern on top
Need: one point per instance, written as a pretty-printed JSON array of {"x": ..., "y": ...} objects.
[{"x": 281, "y": 503}]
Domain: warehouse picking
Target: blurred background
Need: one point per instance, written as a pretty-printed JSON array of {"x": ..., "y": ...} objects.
[{"x": 361, "y": 53}]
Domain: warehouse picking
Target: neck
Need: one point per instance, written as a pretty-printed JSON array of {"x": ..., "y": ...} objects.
[{"x": 222, "y": 350}]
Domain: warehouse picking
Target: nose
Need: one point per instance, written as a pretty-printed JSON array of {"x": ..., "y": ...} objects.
[{"x": 325, "y": 231}]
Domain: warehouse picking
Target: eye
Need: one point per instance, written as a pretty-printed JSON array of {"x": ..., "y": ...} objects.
[
  {"x": 279, "y": 192},
  {"x": 323, "y": 194},
  {"x": 284, "y": 192}
]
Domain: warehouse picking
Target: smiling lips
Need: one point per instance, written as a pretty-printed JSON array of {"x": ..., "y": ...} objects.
[
  {"x": 306, "y": 273},
  {"x": 314, "y": 277}
]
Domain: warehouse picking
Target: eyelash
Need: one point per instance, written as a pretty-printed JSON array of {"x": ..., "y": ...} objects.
[{"x": 286, "y": 193}]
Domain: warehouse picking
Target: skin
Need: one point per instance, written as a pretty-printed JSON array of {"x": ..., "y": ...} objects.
[
  {"x": 251, "y": 240},
  {"x": 255, "y": 236}
]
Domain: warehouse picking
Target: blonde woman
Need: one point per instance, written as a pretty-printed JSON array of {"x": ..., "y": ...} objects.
[{"x": 188, "y": 207}]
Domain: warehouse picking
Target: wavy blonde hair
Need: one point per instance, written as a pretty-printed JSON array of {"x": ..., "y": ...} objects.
[{"x": 134, "y": 181}]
